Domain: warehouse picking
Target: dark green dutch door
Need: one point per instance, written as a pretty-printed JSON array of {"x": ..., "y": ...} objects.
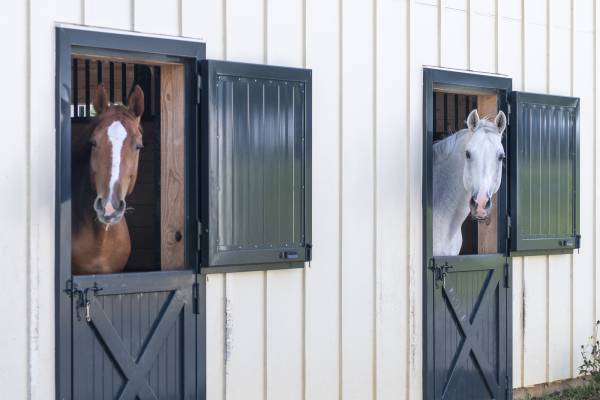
[{"x": 467, "y": 298}]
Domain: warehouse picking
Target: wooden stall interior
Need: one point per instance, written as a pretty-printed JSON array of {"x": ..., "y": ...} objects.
[
  {"x": 451, "y": 107},
  {"x": 155, "y": 209}
]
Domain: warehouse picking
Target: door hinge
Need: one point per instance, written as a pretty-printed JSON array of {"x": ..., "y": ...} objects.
[
  {"x": 507, "y": 274},
  {"x": 508, "y": 116},
  {"x": 577, "y": 240},
  {"x": 196, "y": 297},
  {"x": 508, "y": 226},
  {"x": 199, "y": 91},
  {"x": 199, "y": 237},
  {"x": 507, "y": 388}
]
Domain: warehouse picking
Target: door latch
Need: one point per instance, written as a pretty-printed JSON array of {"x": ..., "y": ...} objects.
[{"x": 439, "y": 273}]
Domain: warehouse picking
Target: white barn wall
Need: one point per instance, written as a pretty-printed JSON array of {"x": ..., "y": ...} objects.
[{"x": 349, "y": 326}]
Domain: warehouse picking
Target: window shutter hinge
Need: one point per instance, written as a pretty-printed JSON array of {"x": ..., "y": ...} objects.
[
  {"x": 506, "y": 274},
  {"x": 199, "y": 89},
  {"x": 508, "y": 226},
  {"x": 195, "y": 298},
  {"x": 508, "y": 116},
  {"x": 308, "y": 251},
  {"x": 577, "y": 241}
]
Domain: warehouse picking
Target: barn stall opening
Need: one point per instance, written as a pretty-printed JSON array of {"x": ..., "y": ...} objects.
[{"x": 223, "y": 184}]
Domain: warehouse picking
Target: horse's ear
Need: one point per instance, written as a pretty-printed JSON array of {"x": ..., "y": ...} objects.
[
  {"x": 472, "y": 120},
  {"x": 500, "y": 122},
  {"x": 136, "y": 101},
  {"x": 100, "y": 101}
]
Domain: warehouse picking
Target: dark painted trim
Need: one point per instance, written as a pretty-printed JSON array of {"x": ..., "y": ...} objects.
[
  {"x": 68, "y": 42},
  {"x": 432, "y": 77}
]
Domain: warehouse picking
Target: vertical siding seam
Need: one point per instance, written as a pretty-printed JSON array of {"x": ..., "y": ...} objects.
[
  {"x": 225, "y": 334},
  {"x": 547, "y": 366},
  {"x": 265, "y": 31},
  {"x": 376, "y": 266},
  {"x": 131, "y": 15},
  {"x": 304, "y": 271},
  {"x": 547, "y": 302},
  {"x": 341, "y": 204},
  {"x": 180, "y": 17},
  {"x": 441, "y": 31},
  {"x": 522, "y": 358},
  {"x": 31, "y": 325},
  {"x": 82, "y": 12},
  {"x": 224, "y": 20},
  {"x": 571, "y": 259},
  {"x": 409, "y": 9},
  {"x": 497, "y": 38},
  {"x": 595, "y": 11},
  {"x": 523, "y": 53},
  {"x": 469, "y": 21}
]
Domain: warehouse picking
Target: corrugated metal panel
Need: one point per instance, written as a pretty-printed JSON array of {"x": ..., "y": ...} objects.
[
  {"x": 544, "y": 158},
  {"x": 260, "y": 163},
  {"x": 257, "y": 161}
]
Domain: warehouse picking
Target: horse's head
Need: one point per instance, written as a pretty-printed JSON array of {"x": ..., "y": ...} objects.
[
  {"x": 116, "y": 140},
  {"x": 484, "y": 156}
]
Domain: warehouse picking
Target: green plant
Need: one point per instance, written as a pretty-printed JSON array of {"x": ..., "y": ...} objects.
[{"x": 591, "y": 359}]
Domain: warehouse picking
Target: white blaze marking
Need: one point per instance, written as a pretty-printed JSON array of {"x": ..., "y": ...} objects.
[{"x": 116, "y": 136}]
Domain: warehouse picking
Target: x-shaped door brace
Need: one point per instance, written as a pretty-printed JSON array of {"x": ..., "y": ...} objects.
[
  {"x": 469, "y": 343},
  {"x": 136, "y": 372}
]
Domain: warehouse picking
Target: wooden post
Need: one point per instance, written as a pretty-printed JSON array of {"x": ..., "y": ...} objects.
[
  {"x": 487, "y": 235},
  {"x": 172, "y": 141}
]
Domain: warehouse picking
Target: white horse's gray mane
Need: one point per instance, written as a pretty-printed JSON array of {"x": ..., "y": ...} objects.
[{"x": 442, "y": 149}]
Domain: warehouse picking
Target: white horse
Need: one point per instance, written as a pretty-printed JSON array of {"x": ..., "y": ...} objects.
[{"x": 467, "y": 171}]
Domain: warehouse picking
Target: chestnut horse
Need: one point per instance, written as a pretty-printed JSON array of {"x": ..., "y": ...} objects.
[{"x": 105, "y": 166}]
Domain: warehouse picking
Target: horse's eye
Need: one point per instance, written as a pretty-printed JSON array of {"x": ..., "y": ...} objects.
[
  {"x": 468, "y": 154},
  {"x": 93, "y": 143},
  {"x": 501, "y": 157},
  {"x": 139, "y": 146}
]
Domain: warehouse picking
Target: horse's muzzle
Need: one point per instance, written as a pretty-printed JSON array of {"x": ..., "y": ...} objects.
[{"x": 106, "y": 211}]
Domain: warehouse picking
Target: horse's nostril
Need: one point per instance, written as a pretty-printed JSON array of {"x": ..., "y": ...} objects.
[
  {"x": 473, "y": 201},
  {"x": 488, "y": 203},
  {"x": 121, "y": 206}
]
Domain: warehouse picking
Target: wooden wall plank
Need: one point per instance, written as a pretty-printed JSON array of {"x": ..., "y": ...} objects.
[
  {"x": 391, "y": 199},
  {"x": 455, "y": 49},
  {"x": 206, "y": 20},
  {"x": 357, "y": 200},
  {"x": 559, "y": 317},
  {"x": 583, "y": 261},
  {"x": 14, "y": 180},
  {"x": 245, "y": 36},
  {"x": 172, "y": 170},
  {"x": 518, "y": 318},
  {"x": 423, "y": 29},
  {"x": 559, "y": 267},
  {"x": 104, "y": 14},
  {"x": 535, "y": 294},
  {"x": 322, "y": 291},
  {"x": 157, "y": 16},
  {"x": 245, "y": 293},
  {"x": 285, "y": 288}
]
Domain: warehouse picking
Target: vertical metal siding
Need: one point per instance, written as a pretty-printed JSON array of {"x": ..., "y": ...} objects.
[{"x": 409, "y": 32}]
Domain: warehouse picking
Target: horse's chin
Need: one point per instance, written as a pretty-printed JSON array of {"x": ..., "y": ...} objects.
[
  {"x": 109, "y": 221},
  {"x": 486, "y": 219}
]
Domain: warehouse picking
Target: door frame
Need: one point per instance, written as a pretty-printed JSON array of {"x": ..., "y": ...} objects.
[
  {"x": 462, "y": 79},
  {"x": 189, "y": 52}
]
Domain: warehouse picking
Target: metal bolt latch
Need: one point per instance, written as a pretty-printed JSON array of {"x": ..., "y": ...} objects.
[{"x": 440, "y": 272}]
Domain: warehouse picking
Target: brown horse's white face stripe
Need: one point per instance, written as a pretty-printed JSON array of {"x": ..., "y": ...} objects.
[
  {"x": 116, "y": 136},
  {"x": 116, "y": 140}
]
